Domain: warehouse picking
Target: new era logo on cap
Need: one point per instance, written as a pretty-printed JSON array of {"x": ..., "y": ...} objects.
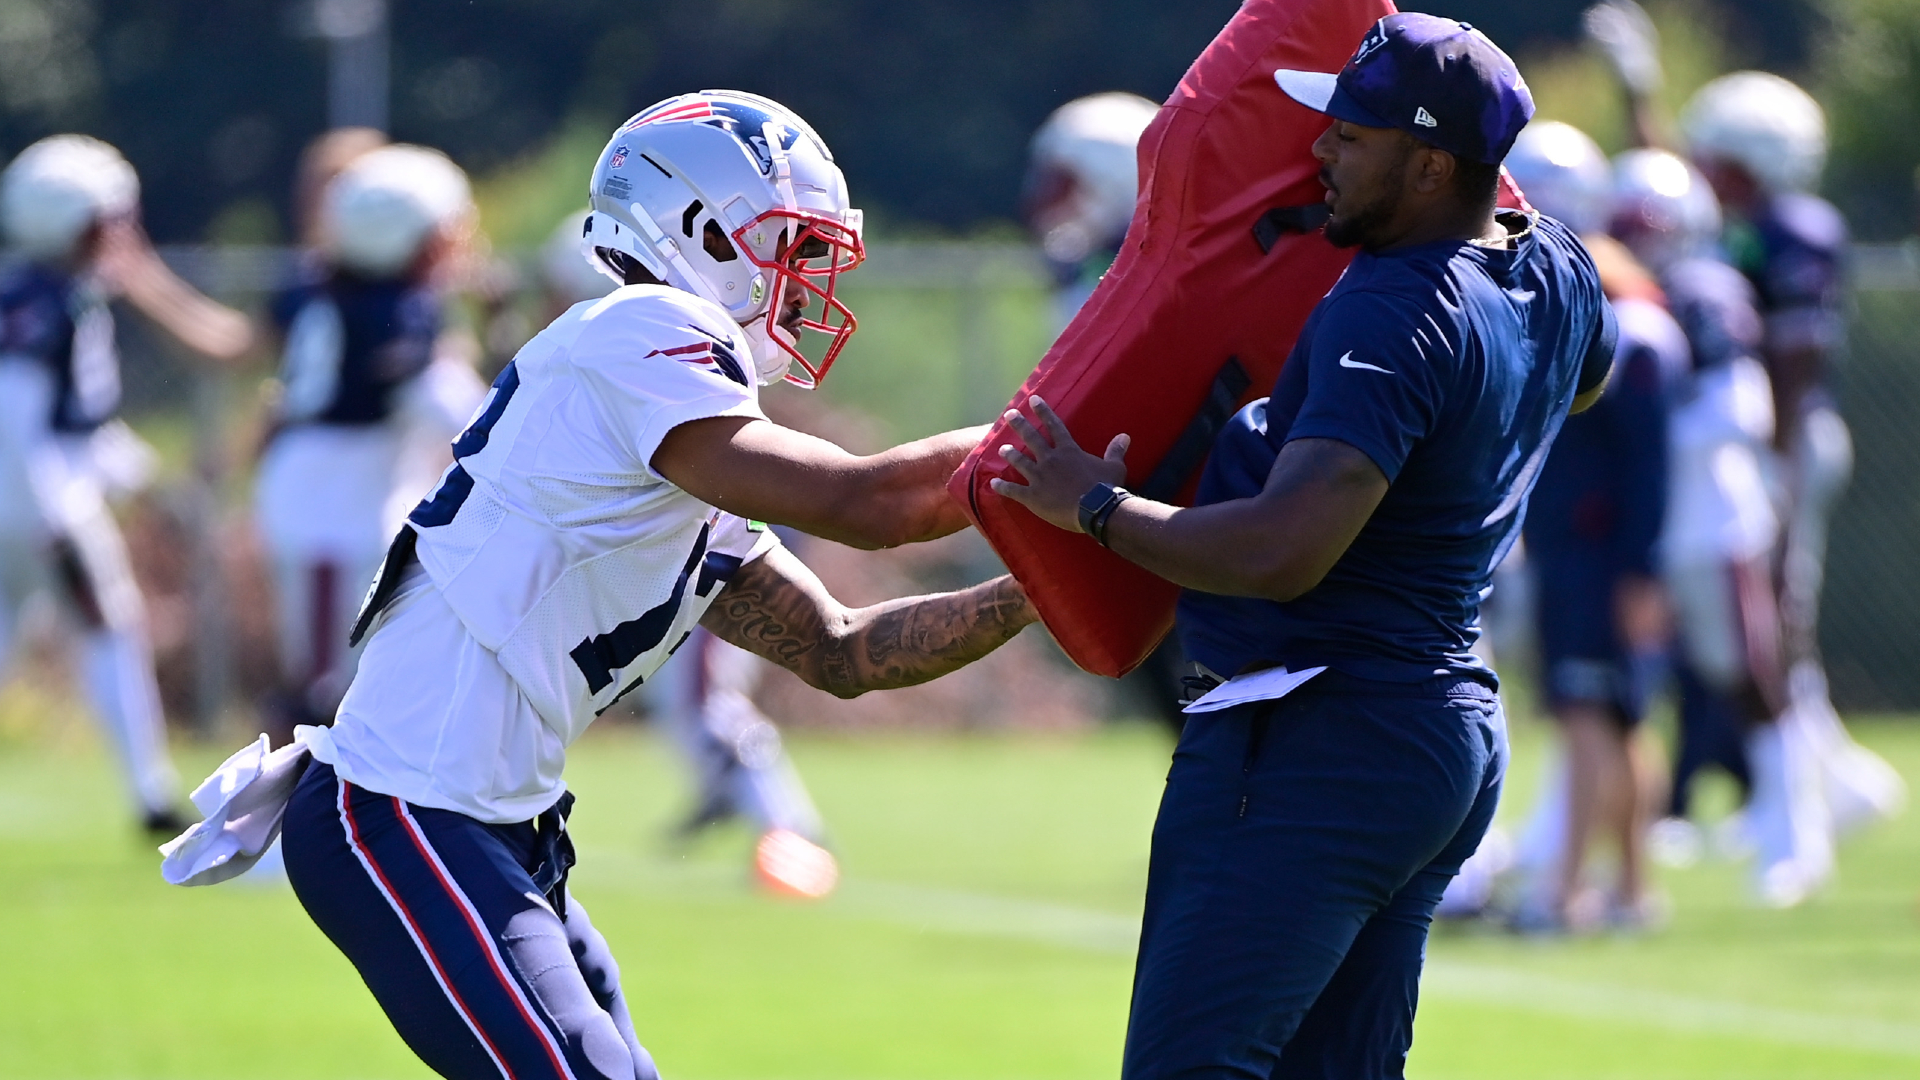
[{"x": 1467, "y": 96}]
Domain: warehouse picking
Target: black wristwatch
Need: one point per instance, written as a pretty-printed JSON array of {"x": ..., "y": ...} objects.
[{"x": 1097, "y": 506}]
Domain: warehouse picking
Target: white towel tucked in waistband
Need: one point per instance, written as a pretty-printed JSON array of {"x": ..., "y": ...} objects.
[{"x": 243, "y": 803}]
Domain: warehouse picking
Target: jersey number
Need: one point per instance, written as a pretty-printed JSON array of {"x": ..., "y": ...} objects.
[
  {"x": 598, "y": 657},
  {"x": 446, "y": 500}
]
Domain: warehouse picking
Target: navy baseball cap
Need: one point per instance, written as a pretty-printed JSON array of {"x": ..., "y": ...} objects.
[{"x": 1441, "y": 81}]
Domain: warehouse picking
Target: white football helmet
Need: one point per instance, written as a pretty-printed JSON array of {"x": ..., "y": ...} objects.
[
  {"x": 1663, "y": 209},
  {"x": 688, "y": 186},
  {"x": 383, "y": 208},
  {"x": 1083, "y": 176},
  {"x": 1564, "y": 173},
  {"x": 1761, "y": 122},
  {"x": 58, "y": 187}
]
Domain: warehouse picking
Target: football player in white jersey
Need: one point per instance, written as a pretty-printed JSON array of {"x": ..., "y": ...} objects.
[
  {"x": 369, "y": 401},
  {"x": 733, "y": 753},
  {"x": 606, "y": 498},
  {"x": 70, "y": 208}
]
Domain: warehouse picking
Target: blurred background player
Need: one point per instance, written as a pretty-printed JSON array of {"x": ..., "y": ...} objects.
[
  {"x": 739, "y": 763},
  {"x": 1761, "y": 141},
  {"x": 322, "y": 159},
  {"x": 70, "y": 207},
  {"x": 1722, "y": 527},
  {"x": 1083, "y": 178},
  {"x": 734, "y": 755},
  {"x": 368, "y": 403},
  {"x": 1592, "y": 530}
]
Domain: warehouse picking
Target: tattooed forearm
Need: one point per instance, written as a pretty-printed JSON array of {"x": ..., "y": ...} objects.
[
  {"x": 767, "y": 612},
  {"x": 903, "y": 642},
  {"x": 776, "y": 608}
]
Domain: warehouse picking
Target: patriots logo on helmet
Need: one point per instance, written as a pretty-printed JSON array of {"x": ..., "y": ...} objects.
[
  {"x": 749, "y": 125},
  {"x": 742, "y": 121},
  {"x": 671, "y": 111}
]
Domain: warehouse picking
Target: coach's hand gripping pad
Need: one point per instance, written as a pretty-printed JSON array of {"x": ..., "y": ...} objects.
[{"x": 1192, "y": 287}]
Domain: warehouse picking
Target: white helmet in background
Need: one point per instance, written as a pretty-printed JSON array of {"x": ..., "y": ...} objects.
[
  {"x": 692, "y": 184},
  {"x": 382, "y": 209},
  {"x": 568, "y": 275},
  {"x": 1564, "y": 174},
  {"x": 1083, "y": 175},
  {"x": 1663, "y": 209},
  {"x": 1761, "y": 122},
  {"x": 58, "y": 187}
]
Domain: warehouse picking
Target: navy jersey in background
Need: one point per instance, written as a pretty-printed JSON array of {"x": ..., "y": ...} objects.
[
  {"x": 350, "y": 343},
  {"x": 1717, "y": 309},
  {"x": 62, "y": 323},
  {"x": 1452, "y": 366},
  {"x": 1603, "y": 494},
  {"x": 1794, "y": 252}
]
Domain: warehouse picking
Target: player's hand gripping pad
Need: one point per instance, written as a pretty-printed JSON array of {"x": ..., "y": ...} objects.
[{"x": 1223, "y": 261}]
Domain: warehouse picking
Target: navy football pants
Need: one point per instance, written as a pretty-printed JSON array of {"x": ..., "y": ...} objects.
[
  {"x": 441, "y": 916},
  {"x": 1299, "y": 853}
]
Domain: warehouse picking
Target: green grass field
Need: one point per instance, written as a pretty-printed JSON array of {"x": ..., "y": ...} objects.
[{"x": 984, "y": 930}]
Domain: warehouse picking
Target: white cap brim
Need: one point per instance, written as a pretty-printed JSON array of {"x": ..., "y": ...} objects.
[{"x": 1314, "y": 89}]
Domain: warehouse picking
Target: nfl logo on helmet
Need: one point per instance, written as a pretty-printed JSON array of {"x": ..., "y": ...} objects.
[{"x": 619, "y": 157}]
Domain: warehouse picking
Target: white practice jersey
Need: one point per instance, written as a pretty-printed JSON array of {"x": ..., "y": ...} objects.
[
  {"x": 560, "y": 570},
  {"x": 1719, "y": 506}
]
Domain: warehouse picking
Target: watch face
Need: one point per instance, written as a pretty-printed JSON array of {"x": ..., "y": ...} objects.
[
  {"x": 1091, "y": 504},
  {"x": 1099, "y": 500}
]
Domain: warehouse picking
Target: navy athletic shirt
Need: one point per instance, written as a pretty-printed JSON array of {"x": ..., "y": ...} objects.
[
  {"x": 62, "y": 323},
  {"x": 350, "y": 343},
  {"x": 1452, "y": 366}
]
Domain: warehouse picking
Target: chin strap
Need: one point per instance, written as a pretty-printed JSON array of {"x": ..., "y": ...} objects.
[
  {"x": 782, "y": 167},
  {"x": 770, "y": 362}
]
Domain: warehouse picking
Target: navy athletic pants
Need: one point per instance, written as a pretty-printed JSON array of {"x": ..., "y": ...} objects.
[
  {"x": 441, "y": 916},
  {"x": 1301, "y": 847}
]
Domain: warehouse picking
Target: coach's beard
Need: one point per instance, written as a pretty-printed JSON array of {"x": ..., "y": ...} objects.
[{"x": 1361, "y": 226}]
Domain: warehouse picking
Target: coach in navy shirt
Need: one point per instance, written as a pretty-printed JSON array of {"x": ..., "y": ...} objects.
[{"x": 1350, "y": 522}]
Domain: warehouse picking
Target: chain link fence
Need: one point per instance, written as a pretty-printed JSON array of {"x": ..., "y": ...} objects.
[
  {"x": 1870, "y": 621},
  {"x": 950, "y": 329}
]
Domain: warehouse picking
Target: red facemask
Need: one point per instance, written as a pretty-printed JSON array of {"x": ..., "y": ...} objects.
[{"x": 819, "y": 250}]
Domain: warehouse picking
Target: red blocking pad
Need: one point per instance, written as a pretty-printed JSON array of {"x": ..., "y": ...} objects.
[{"x": 1223, "y": 260}]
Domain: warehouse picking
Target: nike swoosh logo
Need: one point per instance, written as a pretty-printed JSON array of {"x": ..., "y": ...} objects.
[{"x": 1349, "y": 361}]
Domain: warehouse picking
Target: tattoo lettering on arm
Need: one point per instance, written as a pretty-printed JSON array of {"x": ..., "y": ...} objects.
[{"x": 776, "y": 608}]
